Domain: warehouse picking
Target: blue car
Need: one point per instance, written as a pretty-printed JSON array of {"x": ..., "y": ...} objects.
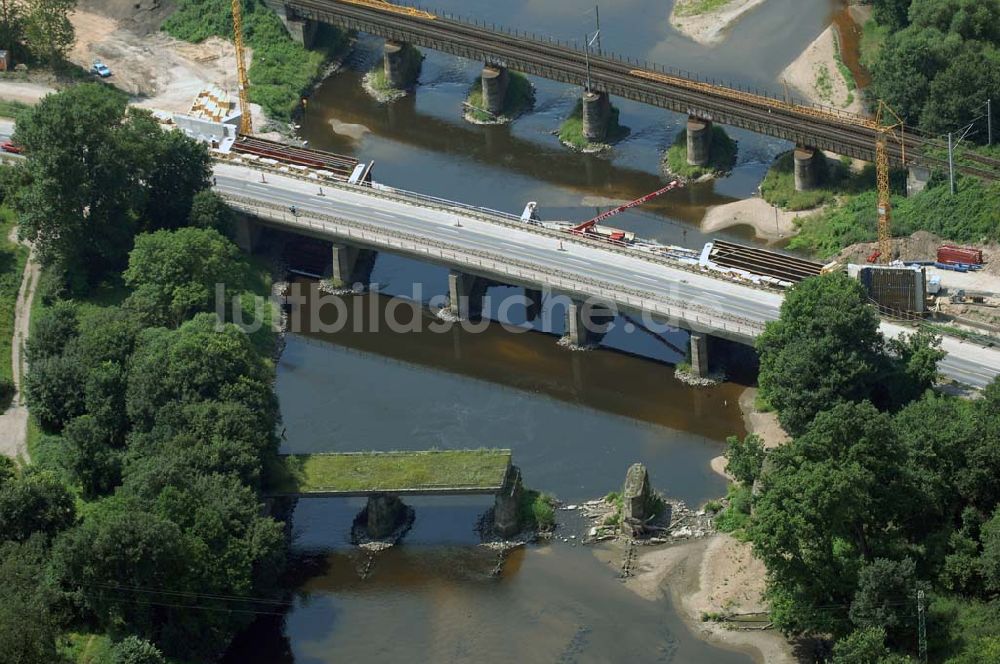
[{"x": 100, "y": 69}]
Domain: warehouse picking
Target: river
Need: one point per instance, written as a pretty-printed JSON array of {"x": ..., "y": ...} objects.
[{"x": 575, "y": 421}]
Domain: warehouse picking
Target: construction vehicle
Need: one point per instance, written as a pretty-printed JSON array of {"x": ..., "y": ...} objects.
[
  {"x": 885, "y": 131},
  {"x": 246, "y": 122},
  {"x": 616, "y": 235}
]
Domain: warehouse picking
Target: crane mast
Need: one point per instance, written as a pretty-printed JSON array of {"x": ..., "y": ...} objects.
[
  {"x": 246, "y": 122},
  {"x": 885, "y": 132}
]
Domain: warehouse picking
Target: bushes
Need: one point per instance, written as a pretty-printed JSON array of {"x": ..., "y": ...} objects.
[
  {"x": 970, "y": 216},
  {"x": 778, "y": 187},
  {"x": 537, "y": 510},
  {"x": 722, "y": 155},
  {"x": 281, "y": 69}
]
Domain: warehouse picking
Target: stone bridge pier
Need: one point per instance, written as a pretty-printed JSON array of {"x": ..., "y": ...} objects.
[
  {"x": 699, "y": 354},
  {"x": 596, "y": 115},
  {"x": 247, "y": 232},
  {"x": 401, "y": 63},
  {"x": 507, "y": 505},
  {"x": 699, "y": 141},
  {"x": 495, "y": 80},
  {"x": 917, "y": 179},
  {"x": 465, "y": 294},
  {"x": 587, "y": 323},
  {"x": 352, "y": 265},
  {"x": 809, "y": 166}
]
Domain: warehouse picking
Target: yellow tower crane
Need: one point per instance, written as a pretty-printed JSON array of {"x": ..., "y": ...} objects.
[
  {"x": 246, "y": 122},
  {"x": 885, "y": 132}
]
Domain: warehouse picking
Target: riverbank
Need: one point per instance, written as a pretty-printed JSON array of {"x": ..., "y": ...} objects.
[
  {"x": 706, "y": 21},
  {"x": 719, "y": 575},
  {"x": 769, "y": 223},
  {"x": 820, "y": 76}
]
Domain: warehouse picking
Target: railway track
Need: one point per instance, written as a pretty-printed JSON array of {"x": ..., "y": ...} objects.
[
  {"x": 820, "y": 127},
  {"x": 339, "y": 165}
]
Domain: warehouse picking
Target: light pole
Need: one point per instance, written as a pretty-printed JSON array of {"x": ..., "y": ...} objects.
[{"x": 989, "y": 122}]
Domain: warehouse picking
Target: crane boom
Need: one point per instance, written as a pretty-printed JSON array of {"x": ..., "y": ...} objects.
[
  {"x": 884, "y": 201},
  {"x": 590, "y": 223},
  {"x": 246, "y": 122}
]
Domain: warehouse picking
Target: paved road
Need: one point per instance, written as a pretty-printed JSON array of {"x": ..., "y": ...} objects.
[{"x": 966, "y": 362}]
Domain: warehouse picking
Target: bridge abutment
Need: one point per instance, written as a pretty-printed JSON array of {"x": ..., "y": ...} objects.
[
  {"x": 808, "y": 167},
  {"x": 917, "y": 179},
  {"x": 494, "y": 82},
  {"x": 401, "y": 64},
  {"x": 699, "y": 354},
  {"x": 507, "y": 505},
  {"x": 301, "y": 30},
  {"x": 465, "y": 294},
  {"x": 596, "y": 116},
  {"x": 351, "y": 265},
  {"x": 587, "y": 323},
  {"x": 699, "y": 141}
]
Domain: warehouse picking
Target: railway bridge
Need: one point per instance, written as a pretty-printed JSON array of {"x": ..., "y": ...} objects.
[{"x": 810, "y": 127}]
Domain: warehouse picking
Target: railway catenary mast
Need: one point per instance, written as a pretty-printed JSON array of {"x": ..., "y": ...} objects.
[{"x": 242, "y": 80}]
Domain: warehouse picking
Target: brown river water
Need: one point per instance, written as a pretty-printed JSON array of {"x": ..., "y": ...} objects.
[{"x": 574, "y": 420}]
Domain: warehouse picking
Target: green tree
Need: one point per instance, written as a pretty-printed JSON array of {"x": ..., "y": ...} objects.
[
  {"x": 829, "y": 503},
  {"x": 178, "y": 169},
  {"x": 13, "y": 16},
  {"x": 34, "y": 502},
  {"x": 208, "y": 210},
  {"x": 990, "y": 559},
  {"x": 52, "y": 331},
  {"x": 133, "y": 650},
  {"x": 49, "y": 32},
  {"x": 825, "y": 348},
  {"x": 745, "y": 458},
  {"x": 53, "y": 388},
  {"x": 119, "y": 547},
  {"x": 970, "y": 19},
  {"x": 891, "y": 13},
  {"x": 201, "y": 360},
  {"x": 177, "y": 273},
  {"x": 94, "y": 462},
  {"x": 28, "y": 628},
  {"x": 862, "y": 646},
  {"x": 884, "y": 597}
]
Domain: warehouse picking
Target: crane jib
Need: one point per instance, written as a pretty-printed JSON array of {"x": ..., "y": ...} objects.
[{"x": 621, "y": 208}]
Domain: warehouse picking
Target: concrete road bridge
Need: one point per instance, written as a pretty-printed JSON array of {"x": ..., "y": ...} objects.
[
  {"x": 811, "y": 127},
  {"x": 483, "y": 248}
]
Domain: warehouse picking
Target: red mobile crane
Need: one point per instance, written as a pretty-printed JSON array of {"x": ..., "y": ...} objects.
[{"x": 589, "y": 227}]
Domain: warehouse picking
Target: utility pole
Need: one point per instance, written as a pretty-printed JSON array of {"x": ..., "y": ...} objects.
[
  {"x": 586, "y": 55},
  {"x": 951, "y": 164},
  {"x": 921, "y": 628},
  {"x": 597, "y": 15}
]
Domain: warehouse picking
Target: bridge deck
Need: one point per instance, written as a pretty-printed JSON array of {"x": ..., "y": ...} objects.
[{"x": 431, "y": 472}]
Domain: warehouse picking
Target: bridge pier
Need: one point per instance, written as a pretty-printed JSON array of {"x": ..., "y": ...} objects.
[
  {"x": 587, "y": 323},
  {"x": 699, "y": 354},
  {"x": 534, "y": 308},
  {"x": 401, "y": 64},
  {"x": 917, "y": 179},
  {"x": 808, "y": 167},
  {"x": 495, "y": 81},
  {"x": 465, "y": 295},
  {"x": 352, "y": 265},
  {"x": 596, "y": 114},
  {"x": 699, "y": 141},
  {"x": 301, "y": 30},
  {"x": 507, "y": 505},
  {"x": 384, "y": 514},
  {"x": 247, "y": 233}
]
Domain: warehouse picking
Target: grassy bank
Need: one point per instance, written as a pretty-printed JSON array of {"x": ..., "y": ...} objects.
[
  {"x": 537, "y": 511},
  {"x": 392, "y": 471},
  {"x": 571, "y": 130},
  {"x": 698, "y": 7},
  {"x": 722, "y": 155},
  {"x": 281, "y": 69},
  {"x": 12, "y": 260},
  {"x": 835, "y": 179},
  {"x": 967, "y": 217},
  {"x": 10, "y": 109},
  {"x": 520, "y": 97}
]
